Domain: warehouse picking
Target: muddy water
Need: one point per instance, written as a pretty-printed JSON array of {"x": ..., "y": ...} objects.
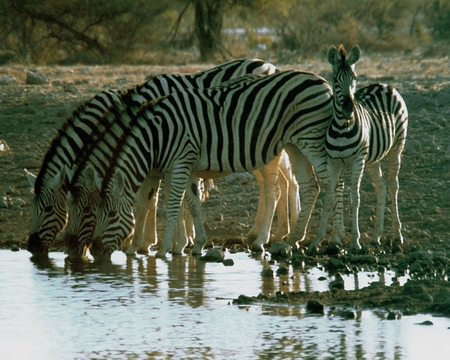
[{"x": 180, "y": 308}]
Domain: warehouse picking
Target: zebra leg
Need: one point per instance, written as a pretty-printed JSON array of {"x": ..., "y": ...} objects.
[
  {"x": 394, "y": 158},
  {"x": 179, "y": 178},
  {"x": 309, "y": 190},
  {"x": 254, "y": 231},
  {"x": 381, "y": 191},
  {"x": 283, "y": 228},
  {"x": 145, "y": 216},
  {"x": 357, "y": 173},
  {"x": 180, "y": 239},
  {"x": 292, "y": 193},
  {"x": 150, "y": 234},
  {"x": 332, "y": 203},
  {"x": 194, "y": 205},
  {"x": 271, "y": 191}
]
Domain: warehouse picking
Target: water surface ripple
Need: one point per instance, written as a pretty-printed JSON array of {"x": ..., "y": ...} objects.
[{"x": 180, "y": 308}]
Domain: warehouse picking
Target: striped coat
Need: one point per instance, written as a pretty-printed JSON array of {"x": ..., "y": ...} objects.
[{"x": 234, "y": 128}]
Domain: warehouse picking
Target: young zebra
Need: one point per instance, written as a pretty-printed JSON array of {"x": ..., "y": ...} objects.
[
  {"x": 235, "y": 128},
  {"x": 76, "y": 138},
  {"x": 367, "y": 126}
]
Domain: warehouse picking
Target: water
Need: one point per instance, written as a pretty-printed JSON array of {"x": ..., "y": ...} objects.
[{"x": 180, "y": 308}]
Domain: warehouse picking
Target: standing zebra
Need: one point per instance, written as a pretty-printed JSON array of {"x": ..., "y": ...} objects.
[
  {"x": 367, "y": 126},
  {"x": 78, "y": 136},
  {"x": 234, "y": 128}
]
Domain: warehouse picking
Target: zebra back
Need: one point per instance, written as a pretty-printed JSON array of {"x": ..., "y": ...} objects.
[
  {"x": 108, "y": 142},
  {"x": 234, "y": 128}
]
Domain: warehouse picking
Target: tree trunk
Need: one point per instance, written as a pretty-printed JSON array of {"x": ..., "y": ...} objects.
[{"x": 208, "y": 26}]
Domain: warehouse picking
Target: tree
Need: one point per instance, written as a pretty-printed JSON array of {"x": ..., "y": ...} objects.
[
  {"x": 99, "y": 31},
  {"x": 208, "y": 26}
]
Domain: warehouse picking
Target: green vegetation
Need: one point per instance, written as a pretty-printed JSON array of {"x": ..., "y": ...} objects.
[{"x": 149, "y": 31}]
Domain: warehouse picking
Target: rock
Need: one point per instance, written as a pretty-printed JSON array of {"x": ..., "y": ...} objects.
[
  {"x": 213, "y": 255},
  {"x": 35, "y": 78},
  {"x": 244, "y": 300},
  {"x": 280, "y": 250},
  {"x": 6, "y": 80},
  {"x": 228, "y": 262},
  {"x": 337, "y": 283},
  {"x": 335, "y": 264},
  {"x": 345, "y": 314},
  {"x": 393, "y": 316},
  {"x": 426, "y": 323},
  {"x": 314, "y": 307},
  {"x": 416, "y": 268}
]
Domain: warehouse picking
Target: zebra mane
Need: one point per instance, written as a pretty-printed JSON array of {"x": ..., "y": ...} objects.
[
  {"x": 343, "y": 53},
  {"x": 56, "y": 143},
  {"x": 134, "y": 116},
  {"x": 108, "y": 117}
]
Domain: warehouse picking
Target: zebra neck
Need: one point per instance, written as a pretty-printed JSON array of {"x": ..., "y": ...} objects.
[{"x": 340, "y": 121}]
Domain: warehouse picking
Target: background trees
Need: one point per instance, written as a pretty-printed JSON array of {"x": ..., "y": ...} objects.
[{"x": 107, "y": 31}]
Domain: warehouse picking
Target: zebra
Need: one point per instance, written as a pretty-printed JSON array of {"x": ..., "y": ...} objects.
[
  {"x": 235, "y": 128},
  {"x": 83, "y": 196},
  {"x": 368, "y": 125},
  {"x": 76, "y": 138},
  {"x": 48, "y": 205}
]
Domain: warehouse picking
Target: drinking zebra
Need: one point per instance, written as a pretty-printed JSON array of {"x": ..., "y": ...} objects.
[
  {"x": 234, "y": 128},
  {"x": 84, "y": 195},
  {"x": 367, "y": 126},
  {"x": 48, "y": 206},
  {"x": 78, "y": 135}
]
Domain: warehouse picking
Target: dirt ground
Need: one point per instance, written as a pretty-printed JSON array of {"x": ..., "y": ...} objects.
[{"x": 30, "y": 116}]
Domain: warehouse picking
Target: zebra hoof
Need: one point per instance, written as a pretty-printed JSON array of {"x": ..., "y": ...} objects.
[
  {"x": 256, "y": 248},
  {"x": 197, "y": 250},
  {"x": 161, "y": 253},
  {"x": 142, "y": 252}
]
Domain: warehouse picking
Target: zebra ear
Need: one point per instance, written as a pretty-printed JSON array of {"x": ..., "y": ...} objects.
[
  {"x": 118, "y": 182},
  {"x": 31, "y": 177},
  {"x": 354, "y": 55},
  {"x": 70, "y": 172},
  {"x": 333, "y": 55},
  {"x": 60, "y": 179},
  {"x": 93, "y": 181}
]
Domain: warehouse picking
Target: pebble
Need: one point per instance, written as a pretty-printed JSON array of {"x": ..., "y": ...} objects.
[
  {"x": 280, "y": 249},
  {"x": 213, "y": 255},
  {"x": 35, "y": 78},
  {"x": 314, "y": 307}
]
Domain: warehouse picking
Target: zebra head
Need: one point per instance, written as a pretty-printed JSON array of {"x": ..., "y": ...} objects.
[
  {"x": 48, "y": 210},
  {"x": 114, "y": 218},
  {"x": 83, "y": 198},
  {"x": 344, "y": 79}
]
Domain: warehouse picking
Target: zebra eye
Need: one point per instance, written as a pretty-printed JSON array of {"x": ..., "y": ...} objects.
[
  {"x": 48, "y": 208},
  {"x": 112, "y": 213}
]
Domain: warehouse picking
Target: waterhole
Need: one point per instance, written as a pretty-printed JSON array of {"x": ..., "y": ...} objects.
[{"x": 181, "y": 308}]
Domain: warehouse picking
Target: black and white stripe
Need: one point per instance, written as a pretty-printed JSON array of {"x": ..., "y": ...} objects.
[
  {"x": 48, "y": 206},
  {"x": 234, "y": 128},
  {"x": 367, "y": 126},
  {"x": 83, "y": 195}
]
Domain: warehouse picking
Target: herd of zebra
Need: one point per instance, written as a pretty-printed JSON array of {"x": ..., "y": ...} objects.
[{"x": 100, "y": 179}]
